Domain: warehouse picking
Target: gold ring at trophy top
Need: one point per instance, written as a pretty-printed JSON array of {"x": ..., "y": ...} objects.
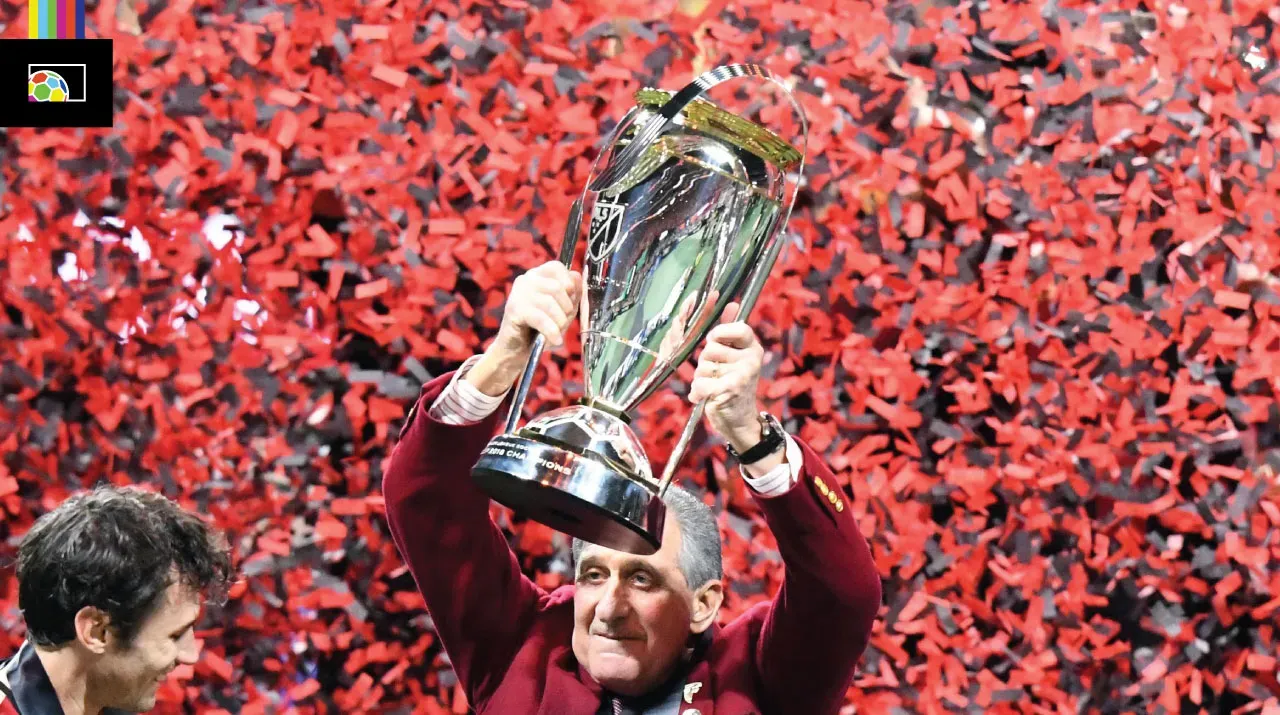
[{"x": 701, "y": 115}]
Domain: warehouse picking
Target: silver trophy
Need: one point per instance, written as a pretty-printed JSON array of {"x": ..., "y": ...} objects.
[{"x": 685, "y": 216}]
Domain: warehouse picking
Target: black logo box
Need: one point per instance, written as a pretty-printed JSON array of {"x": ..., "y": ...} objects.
[{"x": 17, "y": 55}]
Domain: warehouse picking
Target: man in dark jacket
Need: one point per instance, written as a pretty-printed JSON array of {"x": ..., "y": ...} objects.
[
  {"x": 110, "y": 584},
  {"x": 635, "y": 634}
]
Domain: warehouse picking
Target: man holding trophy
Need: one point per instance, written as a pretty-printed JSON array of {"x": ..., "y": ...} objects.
[{"x": 685, "y": 223}]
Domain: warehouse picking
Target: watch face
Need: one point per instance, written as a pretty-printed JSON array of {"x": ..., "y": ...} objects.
[
  {"x": 771, "y": 425},
  {"x": 771, "y": 439}
]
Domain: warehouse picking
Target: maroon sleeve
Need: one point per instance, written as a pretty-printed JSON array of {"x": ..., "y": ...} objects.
[
  {"x": 481, "y": 602},
  {"x": 820, "y": 620}
]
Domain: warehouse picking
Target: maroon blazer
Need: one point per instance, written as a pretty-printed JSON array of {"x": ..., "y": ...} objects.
[{"x": 510, "y": 641}]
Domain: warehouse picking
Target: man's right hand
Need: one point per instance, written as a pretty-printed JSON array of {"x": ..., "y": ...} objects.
[{"x": 542, "y": 301}]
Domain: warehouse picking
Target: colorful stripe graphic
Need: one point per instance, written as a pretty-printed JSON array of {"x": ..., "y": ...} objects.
[{"x": 55, "y": 19}]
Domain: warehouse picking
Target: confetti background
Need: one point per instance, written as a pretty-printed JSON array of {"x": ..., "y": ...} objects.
[{"x": 1030, "y": 317}]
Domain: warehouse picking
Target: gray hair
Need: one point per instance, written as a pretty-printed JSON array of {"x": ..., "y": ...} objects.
[{"x": 699, "y": 558}]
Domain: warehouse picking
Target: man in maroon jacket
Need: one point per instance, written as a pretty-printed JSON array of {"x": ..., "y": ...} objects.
[{"x": 635, "y": 634}]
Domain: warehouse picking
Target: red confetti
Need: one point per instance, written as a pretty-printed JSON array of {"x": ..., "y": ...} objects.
[
  {"x": 370, "y": 32},
  {"x": 390, "y": 75},
  {"x": 284, "y": 97},
  {"x": 1033, "y": 326},
  {"x": 1232, "y": 299},
  {"x": 348, "y": 507},
  {"x": 330, "y": 529},
  {"x": 304, "y": 690},
  {"x": 438, "y": 227},
  {"x": 540, "y": 69},
  {"x": 320, "y": 245},
  {"x": 370, "y": 290}
]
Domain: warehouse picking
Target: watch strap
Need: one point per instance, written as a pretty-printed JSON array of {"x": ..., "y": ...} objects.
[{"x": 772, "y": 438}]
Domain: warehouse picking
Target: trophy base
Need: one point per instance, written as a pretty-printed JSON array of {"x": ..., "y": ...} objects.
[{"x": 572, "y": 493}]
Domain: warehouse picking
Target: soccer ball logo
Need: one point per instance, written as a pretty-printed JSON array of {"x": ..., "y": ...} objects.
[{"x": 47, "y": 86}]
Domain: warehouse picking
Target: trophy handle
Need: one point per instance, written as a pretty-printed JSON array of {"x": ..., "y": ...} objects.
[
  {"x": 647, "y": 135},
  {"x": 567, "y": 247}
]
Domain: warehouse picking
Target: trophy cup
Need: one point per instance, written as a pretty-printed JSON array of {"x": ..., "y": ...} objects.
[{"x": 685, "y": 216}]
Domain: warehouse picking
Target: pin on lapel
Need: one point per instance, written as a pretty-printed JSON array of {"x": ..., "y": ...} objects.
[{"x": 689, "y": 691}]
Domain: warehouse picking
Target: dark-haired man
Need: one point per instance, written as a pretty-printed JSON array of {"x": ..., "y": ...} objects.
[{"x": 110, "y": 584}]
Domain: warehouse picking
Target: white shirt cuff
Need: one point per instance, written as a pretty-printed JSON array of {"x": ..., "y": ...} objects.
[
  {"x": 460, "y": 403},
  {"x": 780, "y": 479}
]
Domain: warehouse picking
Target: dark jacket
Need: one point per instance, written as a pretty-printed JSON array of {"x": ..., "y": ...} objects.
[{"x": 25, "y": 688}]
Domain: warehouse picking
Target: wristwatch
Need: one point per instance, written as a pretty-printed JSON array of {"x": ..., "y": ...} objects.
[{"x": 771, "y": 439}]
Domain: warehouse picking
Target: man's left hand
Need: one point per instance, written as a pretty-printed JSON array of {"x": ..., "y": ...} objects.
[{"x": 728, "y": 376}]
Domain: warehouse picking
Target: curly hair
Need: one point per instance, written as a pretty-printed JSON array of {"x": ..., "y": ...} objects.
[{"x": 117, "y": 549}]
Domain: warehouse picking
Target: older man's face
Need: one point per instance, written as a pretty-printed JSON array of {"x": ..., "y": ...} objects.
[{"x": 633, "y": 615}]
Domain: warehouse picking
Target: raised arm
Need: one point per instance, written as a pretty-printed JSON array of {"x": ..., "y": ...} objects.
[
  {"x": 478, "y": 597},
  {"x": 474, "y": 589},
  {"x": 818, "y": 624}
]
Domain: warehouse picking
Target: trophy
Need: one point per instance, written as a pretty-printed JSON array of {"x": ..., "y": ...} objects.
[{"x": 686, "y": 214}]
